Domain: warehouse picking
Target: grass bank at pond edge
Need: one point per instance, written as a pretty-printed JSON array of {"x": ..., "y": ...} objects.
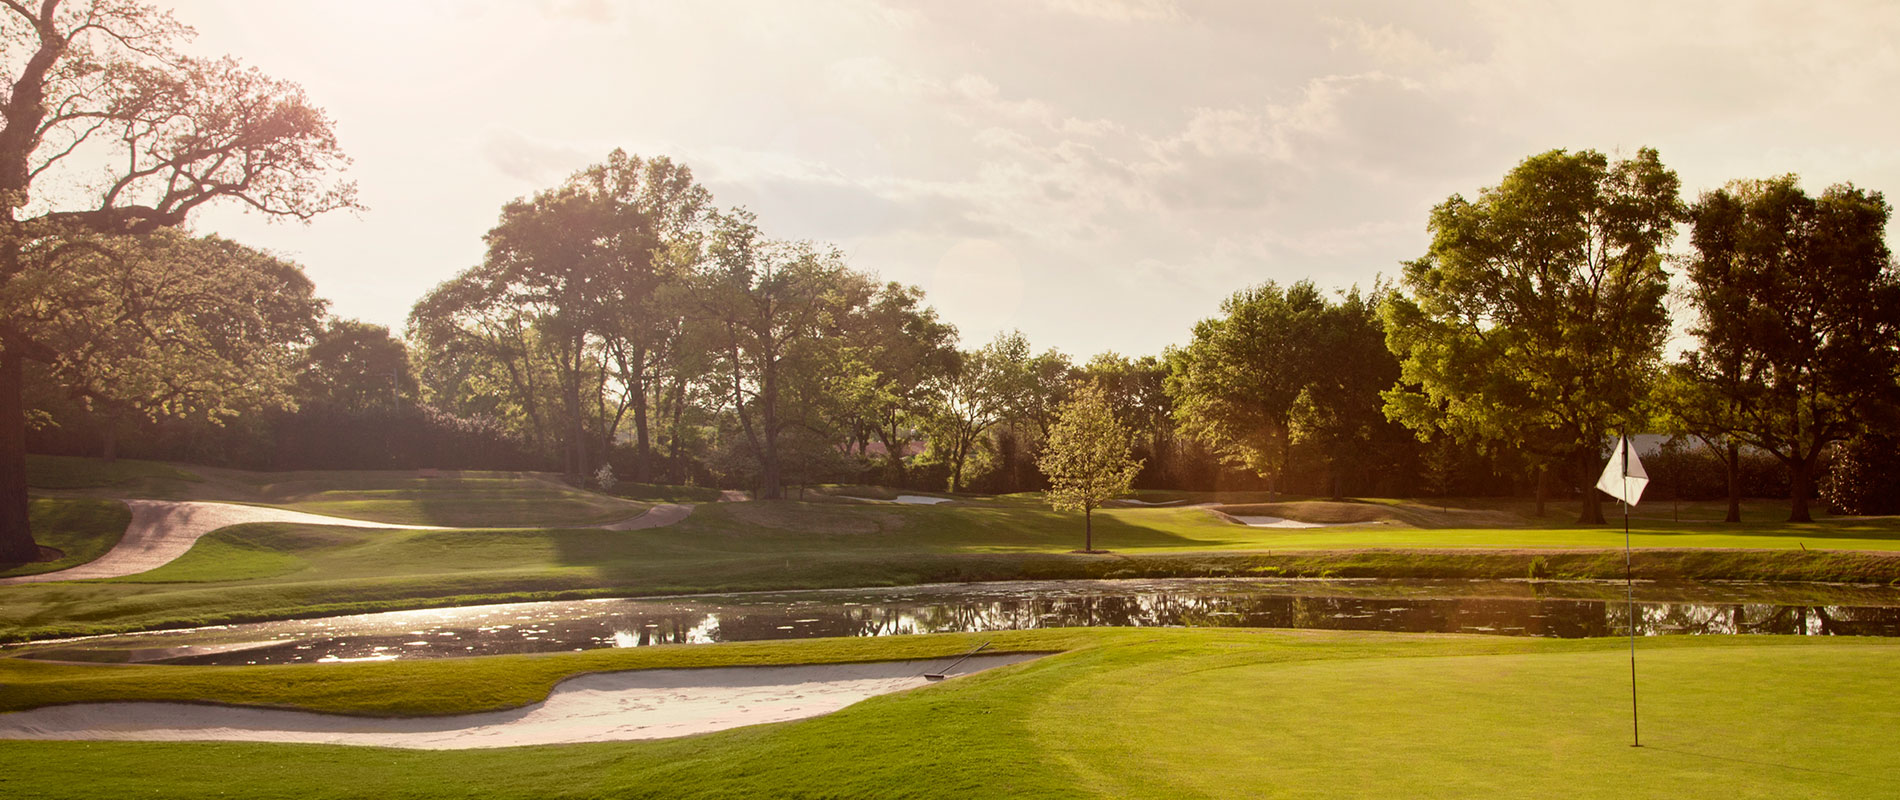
[{"x": 109, "y": 610}]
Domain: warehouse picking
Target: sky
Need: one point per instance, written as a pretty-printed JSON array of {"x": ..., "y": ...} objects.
[{"x": 1098, "y": 174}]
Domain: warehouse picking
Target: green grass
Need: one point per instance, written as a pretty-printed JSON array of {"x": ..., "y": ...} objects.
[
  {"x": 67, "y": 472},
  {"x": 470, "y": 499},
  {"x": 1122, "y": 713},
  {"x": 279, "y": 570},
  {"x": 81, "y": 529},
  {"x": 666, "y": 493}
]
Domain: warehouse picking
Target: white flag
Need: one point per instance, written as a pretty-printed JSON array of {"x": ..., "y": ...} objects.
[{"x": 1624, "y": 478}]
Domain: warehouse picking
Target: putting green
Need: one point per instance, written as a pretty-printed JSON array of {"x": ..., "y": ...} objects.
[{"x": 1720, "y": 722}]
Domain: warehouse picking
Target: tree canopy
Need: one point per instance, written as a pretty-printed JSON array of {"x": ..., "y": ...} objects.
[
  {"x": 1087, "y": 458},
  {"x": 1235, "y": 384},
  {"x": 1536, "y": 320},
  {"x": 1798, "y": 313},
  {"x": 108, "y": 130}
]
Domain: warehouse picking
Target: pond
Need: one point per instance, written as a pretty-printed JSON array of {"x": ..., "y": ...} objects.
[{"x": 1545, "y": 608}]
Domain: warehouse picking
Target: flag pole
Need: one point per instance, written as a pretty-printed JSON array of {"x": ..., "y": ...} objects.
[{"x": 1629, "y": 589}]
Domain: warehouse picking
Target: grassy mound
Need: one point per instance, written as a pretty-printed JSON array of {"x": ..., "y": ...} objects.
[
  {"x": 80, "y": 529},
  {"x": 1123, "y": 713},
  {"x": 1315, "y": 511},
  {"x": 409, "y": 497},
  {"x": 1398, "y": 512},
  {"x": 66, "y": 472}
]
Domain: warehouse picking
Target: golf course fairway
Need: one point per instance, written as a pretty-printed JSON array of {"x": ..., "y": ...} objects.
[{"x": 1120, "y": 712}]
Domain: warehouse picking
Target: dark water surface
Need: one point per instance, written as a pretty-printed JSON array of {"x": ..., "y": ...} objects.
[{"x": 1557, "y": 609}]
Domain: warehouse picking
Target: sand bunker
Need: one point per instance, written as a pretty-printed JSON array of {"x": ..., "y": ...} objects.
[
  {"x": 641, "y": 704},
  {"x": 902, "y": 499},
  {"x": 1282, "y": 522}
]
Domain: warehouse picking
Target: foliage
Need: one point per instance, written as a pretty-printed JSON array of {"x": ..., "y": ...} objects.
[
  {"x": 902, "y": 349},
  {"x": 604, "y": 478},
  {"x": 560, "y": 318},
  {"x": 989, "y": 386},
  {"x": 1339, "y": 411},
  {"x": 1865, "y": 476},
  {"x": 1798, "y": 306},
  {"x": 109, "y": 131},
  {"x": 777, "y": 312},
  {"x": 1536, "y": 320},
  {"x": 1087, "y": 457},
  {"x": 163, "y": 325},
  {"x": 1235, "y": 385},
  {"x": 355, "y": 367}
]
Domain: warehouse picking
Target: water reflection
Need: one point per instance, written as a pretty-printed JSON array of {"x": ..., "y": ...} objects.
[{"x": 1567, "y": 610}]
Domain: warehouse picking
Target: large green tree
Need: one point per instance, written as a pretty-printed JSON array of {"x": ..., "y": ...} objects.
[
  {"x": 569, "y": 285},
  {"x": 1798, "y": 305},
  {"x": 988, "y": 386},
  {"x": 1339, "y": 413},
  {"x": 1087, "y": 458},
  {"x": 903, "y": 349},
  {"x": 1235, "y": 385},
  {"x": 356, "y": 367},
  {"x": 778, "y": 311},
  {"x": 108, "y": 130},
  {"x": 1136, "y": 391},
  {"x": 165, "y": 326},
  {"x": 1536, "y": 320}
]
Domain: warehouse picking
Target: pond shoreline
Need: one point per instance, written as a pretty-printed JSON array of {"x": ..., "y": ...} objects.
[{"x": 1771, "y": 566}]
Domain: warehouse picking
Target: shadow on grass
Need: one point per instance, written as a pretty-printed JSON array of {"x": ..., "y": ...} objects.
[{"x": 1889, "y": 779}]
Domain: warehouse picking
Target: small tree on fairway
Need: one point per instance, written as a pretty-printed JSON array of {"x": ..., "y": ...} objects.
[{"x": 1087, "y": 457}]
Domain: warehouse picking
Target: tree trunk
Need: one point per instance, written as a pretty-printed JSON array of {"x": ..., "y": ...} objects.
[
  {"x": 1332, "y": 477},
  {"x": 16, "y": 538},
  {"x": 1088, "y": 530},
  {"x": 673, "y": 443},
  {"x": 893, "y": 454},
  {"x": 1543, "y": 487},
  {"x": 1592, "y": 511},
  {"x": 109, "y": 448},
  {"x": 956, "y": 469},
  {"x": 1803, "y": 486},
  {"x": 1734, "y": 466},
  {"x": 642, "y": 448},
  {"x": 769, "y": 477}
]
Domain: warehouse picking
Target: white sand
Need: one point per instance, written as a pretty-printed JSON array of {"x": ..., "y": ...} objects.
[
  {"x": 641, "y": 704},
  {"x": 1280, "y": 522},
  {"x": 904, "y": 499}
]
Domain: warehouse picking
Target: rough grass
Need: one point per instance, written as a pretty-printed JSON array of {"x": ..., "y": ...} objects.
[
  {"x": 80, "y": 529},
  {"x": 1123, "y": 713}
]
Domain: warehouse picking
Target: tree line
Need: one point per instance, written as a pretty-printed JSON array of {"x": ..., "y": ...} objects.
[{"x": 621, "y": 319}]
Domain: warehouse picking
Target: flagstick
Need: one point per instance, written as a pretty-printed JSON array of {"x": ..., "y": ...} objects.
[{"x": 1629, "y": 588}]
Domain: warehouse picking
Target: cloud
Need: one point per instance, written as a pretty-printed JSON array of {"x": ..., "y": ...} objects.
[
  {"x": 532, "y": 162},
  {"x": 1387, "y": 45},
  {"x": 1122, "y": 11}
]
